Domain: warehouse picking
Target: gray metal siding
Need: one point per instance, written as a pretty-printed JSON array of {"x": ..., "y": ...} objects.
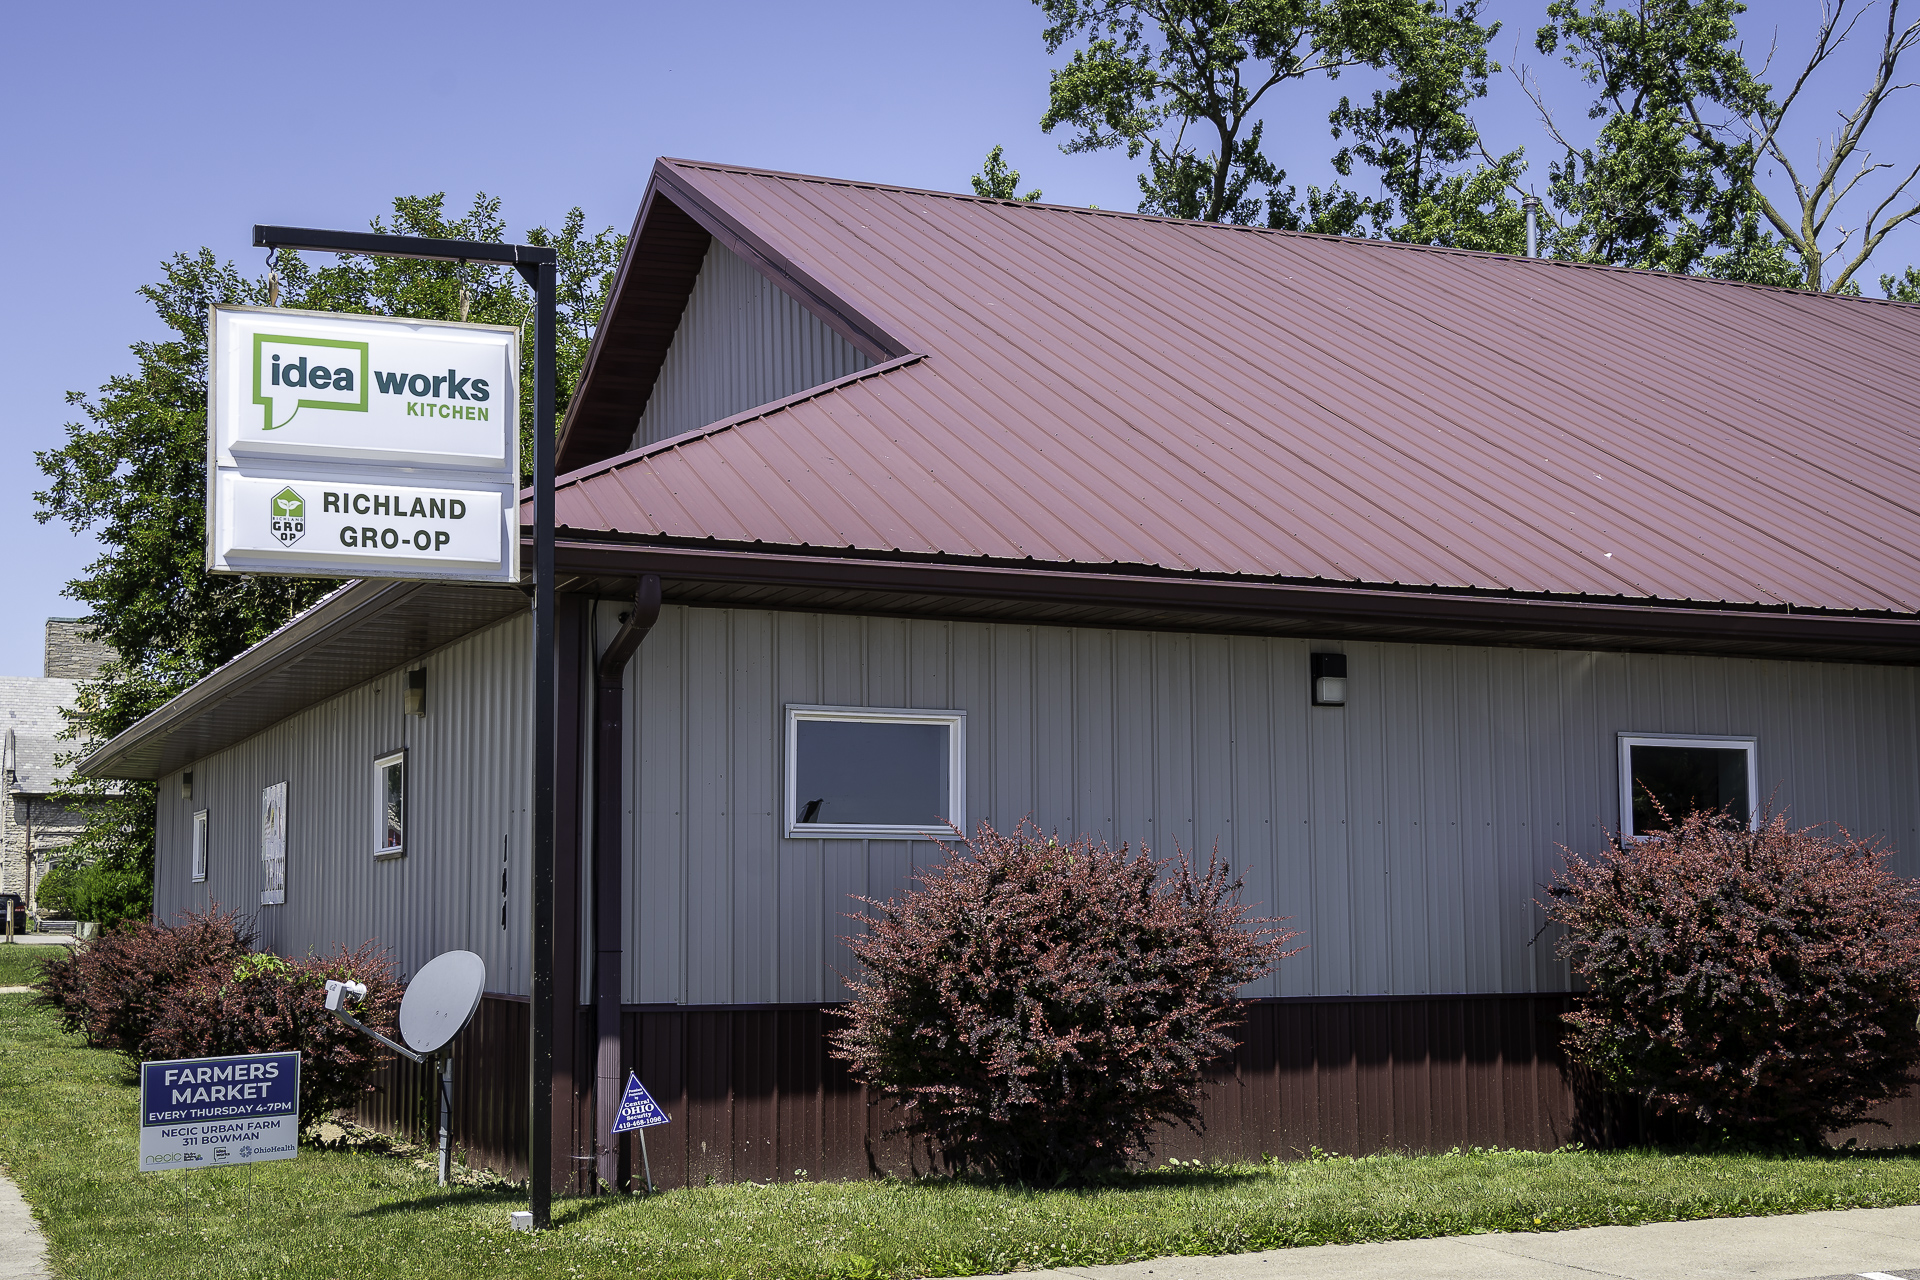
[
  {"x": 741, "y": 343},
  {"x": 1407, "y": 834},
  {"x": 467, "y": 787}
]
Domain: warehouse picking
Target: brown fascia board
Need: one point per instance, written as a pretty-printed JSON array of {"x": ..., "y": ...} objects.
[
  {"x": 649, "y": 296},
  {"x": 1354, "y": 611}
]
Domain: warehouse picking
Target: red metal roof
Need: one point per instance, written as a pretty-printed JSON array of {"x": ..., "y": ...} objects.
[{"x": 1105, "y": 389}]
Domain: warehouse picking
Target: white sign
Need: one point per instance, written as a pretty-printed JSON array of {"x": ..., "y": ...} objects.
[
  {"x": 198, "y": 1113},
  {"x": 362, "y": 446},
  {"x": 273, "y": 845}
]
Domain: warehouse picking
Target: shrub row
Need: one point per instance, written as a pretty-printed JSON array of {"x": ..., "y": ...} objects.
[
  {"x": 198, "y": 989},
  {"x": 1039, "y": 1008}
]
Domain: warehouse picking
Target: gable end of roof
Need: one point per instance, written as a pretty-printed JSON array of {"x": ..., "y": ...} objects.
[{"x": 649, "y": 296}]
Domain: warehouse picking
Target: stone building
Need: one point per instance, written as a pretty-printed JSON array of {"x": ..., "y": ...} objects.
[{"x": 33, "y": 828}]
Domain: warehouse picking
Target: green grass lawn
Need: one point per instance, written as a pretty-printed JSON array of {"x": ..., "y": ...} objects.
[
  {"x": 20, "y": 963},
  {"x": 67, "y": 1134}
]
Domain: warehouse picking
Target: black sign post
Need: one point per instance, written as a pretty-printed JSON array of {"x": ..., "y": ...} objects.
[{"x": 539, "y": 266}]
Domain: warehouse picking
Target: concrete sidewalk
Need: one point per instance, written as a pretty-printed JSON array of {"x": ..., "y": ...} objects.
[
  {"x": 23, "y": 1250},
  {"x": 1878, "y": 1243}
]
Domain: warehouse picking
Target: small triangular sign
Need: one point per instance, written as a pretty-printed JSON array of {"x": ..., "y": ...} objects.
[{"x": 638, "y": 1110}]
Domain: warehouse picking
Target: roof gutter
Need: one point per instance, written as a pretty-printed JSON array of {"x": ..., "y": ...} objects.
[{"x": 1493, "y": 616}]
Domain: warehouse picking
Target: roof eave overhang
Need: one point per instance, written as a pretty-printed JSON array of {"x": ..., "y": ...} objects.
[
  {"x": 795, "y": 578},
  {"x": 365, "y": 631},
  {"x": 375, "y": 626}
]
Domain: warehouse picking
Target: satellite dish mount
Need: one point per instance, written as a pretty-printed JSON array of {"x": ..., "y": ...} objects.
[{"x": 439, "y": 1003}]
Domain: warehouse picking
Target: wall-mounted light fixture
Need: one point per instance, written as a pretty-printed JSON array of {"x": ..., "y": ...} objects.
[
  {"x": 1329, "y": 679},
  {"x": 417, "y": 692},
  {"x": 186, "y": 784}
]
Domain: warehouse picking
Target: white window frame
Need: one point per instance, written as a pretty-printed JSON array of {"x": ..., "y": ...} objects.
[
  {"x": 197, "y": 846},
  {"x": 956, "y": 722},
  {"x": 1722, "y": 741},
  {"x": 381, "y": 763}
]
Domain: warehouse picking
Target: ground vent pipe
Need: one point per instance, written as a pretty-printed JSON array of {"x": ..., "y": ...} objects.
[{"x": 609, "y": 731}]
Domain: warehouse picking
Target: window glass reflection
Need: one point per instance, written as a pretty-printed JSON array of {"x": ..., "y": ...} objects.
[
  {"x": 850, "y": 772},
  {"x": 1685, "y": 779},
  {"x": 393, "y": 800}
]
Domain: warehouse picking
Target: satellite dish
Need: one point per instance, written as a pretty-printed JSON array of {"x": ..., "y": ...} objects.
[{"x": 441, "y": 999}]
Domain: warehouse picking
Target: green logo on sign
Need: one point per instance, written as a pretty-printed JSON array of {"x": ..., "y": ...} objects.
[
  {"x": 289, "y": 517},
  {"x": 291, "y": 374}
]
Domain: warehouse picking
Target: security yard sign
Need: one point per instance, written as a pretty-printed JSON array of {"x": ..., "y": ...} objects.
[
  {"x": 196, "y": 1113},
  {"x": 638, "y": 1110},
  {"x": 350, "y": 446}
]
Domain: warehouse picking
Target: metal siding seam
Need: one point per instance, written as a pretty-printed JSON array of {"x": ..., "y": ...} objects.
[
  {"x": 1053, "y": 686},
  {"x": 1291, "y": 785},
  {"x": 1369, "y": 873},
  {"x": 1250, "y": 784},
  {"x": 1440, "y": 810},
  {"x": 1093, "y": 733},
  {"x": 1397, "y": 747},
  {"x": 753, "y": 842},
  {"x": 1009, "y": 675},
  {"x": 1530, "y": 859},
  {"x": 659, "y": 717},
  {"x": 709, "y": 902},
  {"x": 806, "y": 923},
  {"x": 1133, "y": 734}
]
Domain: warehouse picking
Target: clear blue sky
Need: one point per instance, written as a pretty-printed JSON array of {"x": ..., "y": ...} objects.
[{"x": 134, "y": 131}]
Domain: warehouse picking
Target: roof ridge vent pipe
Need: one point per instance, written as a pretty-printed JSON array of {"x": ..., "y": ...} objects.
[
  {"x": 1531, "y": 204},
  {"x": 609, "y": 734}
]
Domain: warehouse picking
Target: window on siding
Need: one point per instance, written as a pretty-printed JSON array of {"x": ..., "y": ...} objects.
[
  {"x": 390, "y": 798},
  {"x": 273, "y": 845},
  {"x": 200, "y": 845},
  {"x": 875, "y": 773},
  {"x": 1684, "y": 772}
]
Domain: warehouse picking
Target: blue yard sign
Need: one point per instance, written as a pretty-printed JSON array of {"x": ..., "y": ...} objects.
[
  {"x": 199, "y": 1113},
  {"x": 638, "y": 1110}
]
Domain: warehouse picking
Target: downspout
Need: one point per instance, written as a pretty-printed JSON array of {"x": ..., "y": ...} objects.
[{"x": 608, "y": 828}]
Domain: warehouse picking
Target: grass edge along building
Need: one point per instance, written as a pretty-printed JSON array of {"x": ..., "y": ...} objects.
[{"x": 1380, "y": 567}]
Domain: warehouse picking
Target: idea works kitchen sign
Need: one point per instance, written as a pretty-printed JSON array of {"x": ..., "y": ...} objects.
[{"x": 348, "y": 446}]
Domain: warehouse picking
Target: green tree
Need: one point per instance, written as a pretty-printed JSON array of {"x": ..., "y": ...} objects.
[
  {"x": 1691, "y": 140},
  {"x": 1902, "y": 288},
  {"x": 1185, "y": 82},
  {"x": 997, "y": 182},
  {"x": 1653, "y": 190},
  {"x": 133, "y": 472},
  {"x": 1419, "y": 137}
]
